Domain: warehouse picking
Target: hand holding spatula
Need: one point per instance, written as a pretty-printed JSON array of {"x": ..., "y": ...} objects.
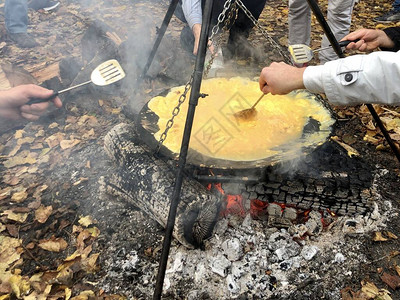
[
  {"x": 302, "y": 53},
  {"x": 106, "y": 73}
]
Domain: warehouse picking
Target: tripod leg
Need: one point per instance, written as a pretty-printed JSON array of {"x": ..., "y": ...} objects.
[
  {"x": 194, "y": 95},
  {"x": 160, "y": 35}
]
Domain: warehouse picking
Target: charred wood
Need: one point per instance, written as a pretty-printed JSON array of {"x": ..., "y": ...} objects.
[{"x": 147, "y": 183}]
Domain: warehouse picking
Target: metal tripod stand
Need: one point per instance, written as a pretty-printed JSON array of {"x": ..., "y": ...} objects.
[{"x": 194, "y": 96}]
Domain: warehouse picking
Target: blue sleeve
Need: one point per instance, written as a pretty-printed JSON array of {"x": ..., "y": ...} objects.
[{"x": 192, "y": 11}]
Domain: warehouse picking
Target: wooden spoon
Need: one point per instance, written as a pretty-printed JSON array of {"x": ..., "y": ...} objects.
[{"x": 248, "y": 113}]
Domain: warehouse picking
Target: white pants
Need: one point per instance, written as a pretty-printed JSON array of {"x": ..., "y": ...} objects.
[{"x": 338, "y": 19}]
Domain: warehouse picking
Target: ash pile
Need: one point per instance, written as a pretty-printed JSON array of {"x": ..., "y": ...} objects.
[{"x": 285, "y": 251}]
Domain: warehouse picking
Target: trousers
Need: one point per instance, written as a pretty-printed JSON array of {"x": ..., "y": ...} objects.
[
  {"x": 16, "y": 16},
  {"x": 338, "y": 19}
]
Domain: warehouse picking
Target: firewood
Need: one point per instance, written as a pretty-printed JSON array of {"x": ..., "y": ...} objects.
[{"x": 147, "y": 182}]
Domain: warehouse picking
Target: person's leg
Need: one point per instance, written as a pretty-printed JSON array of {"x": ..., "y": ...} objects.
[
  {"x": 299, "y": 22},
  {"x": 16, "y": 19},
  {"x": 396, "y": 5},
  {"x": 392, "y": 15},
  {"x": 16, "y": 16},
  {"x": 339, "y": 20}
]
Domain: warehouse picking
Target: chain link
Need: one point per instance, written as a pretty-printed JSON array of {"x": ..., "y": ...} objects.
[
  {"x": 222, "y": 18},
  {"x": 266, "y": 35},
  {"x": 182, "y": 98},
  {"x": 175, "y": 112},
  {"x": 227, "y": 20}
]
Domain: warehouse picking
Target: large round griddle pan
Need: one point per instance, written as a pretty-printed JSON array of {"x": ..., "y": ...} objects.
[{"x": 147, "y": 127}]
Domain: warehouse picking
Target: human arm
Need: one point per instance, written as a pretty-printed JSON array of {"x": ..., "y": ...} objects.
[
  {"x": 13, "y": 102},
  {"x": 193, "y": 15},
  {"x": 371, "y": 78}
]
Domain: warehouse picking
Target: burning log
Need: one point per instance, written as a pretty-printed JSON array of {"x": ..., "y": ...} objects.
[{"x": 147, "y": 182}]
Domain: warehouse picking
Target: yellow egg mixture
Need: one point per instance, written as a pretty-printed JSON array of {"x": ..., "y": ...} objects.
[{"x": 217, "y": 133}]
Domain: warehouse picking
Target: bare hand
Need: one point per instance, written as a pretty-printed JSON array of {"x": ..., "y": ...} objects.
[
  {"x": 13, "y": 107},
  {"x": 370, "y": 39},
  {"x": 281, "y": 78}
]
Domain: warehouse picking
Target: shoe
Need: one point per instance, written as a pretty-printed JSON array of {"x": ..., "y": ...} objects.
[
  {"x": 23, "y": 40},
  {"x": 46, "y": 5},
  {"x": 391, "y": 16}
]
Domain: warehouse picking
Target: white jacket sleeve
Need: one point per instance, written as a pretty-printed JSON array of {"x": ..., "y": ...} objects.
[
  {"x": 372, "y": 78},
  {"x": 192, "y": 11}
]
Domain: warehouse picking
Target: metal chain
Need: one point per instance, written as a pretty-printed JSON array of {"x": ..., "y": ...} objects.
[
  {"x": 175, "y": 112},
  {"x": 266, "y": 35},
  {"x": 222, "y": 18},
  {"x": 182, "y": 98}
]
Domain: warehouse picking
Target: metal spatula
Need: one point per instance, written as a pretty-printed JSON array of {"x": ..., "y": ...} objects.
[
  {"x": 302, "y": 53},
  {"x": 106, "y": 73}
]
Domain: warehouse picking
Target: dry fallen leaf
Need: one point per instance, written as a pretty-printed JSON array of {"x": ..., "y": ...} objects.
[
  {"x": 350, "y": 150},
  {"x": 86, "y": 221},
  {"x": 19, "y": 196},
  {"x": 19, "y": 134},
  {"x": 20, "y": 285},
  {"x": 43, "y": 213},
  {"x": 53, "y": 244},
  {"x": 82, "y": 179},
  {"x": 370, "y": 290},
  {"x": 66, "y": 144},
  {"x": 391, "y": 280},
  {"x": 17, "y": 217}
]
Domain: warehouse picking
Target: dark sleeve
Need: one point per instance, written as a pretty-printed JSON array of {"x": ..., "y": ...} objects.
[{"x": 394, "y": 34}]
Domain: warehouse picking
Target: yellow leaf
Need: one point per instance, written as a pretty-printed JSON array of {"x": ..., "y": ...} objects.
[
  {"x": 20, "y": 217},
  {"x": 73, "y": 256},
  {"x": 94, "y": 231},
  {"x": 15, "y": 150},
  {"x": 101, "y": 102},
  {"x": 9, "y": 252},
  {"x": 53, "y": 125},
  {"x": 19, "y": 285},
  {"x": 85, "y": 295},
  {"x": 397, "y": 268},
  {"x": 26, "y": 140},
  {"x": 85, "y": 221},
  {"x": 82, "y": 179},
  {"x": 66, "y": 144},
  {"x": 2, "y": 227},
  {"x": 43, "y": 213},
  {"x": 116, "y": 111},
  {"x": 53, "y": 244},
  {"x": 378, "y": 237},
  {"x": 19, "y": 134},
  {"x": 68, "y": 293},
  {"x": 370, "y": 139},
  {"x": 40, "y": 133},
  {"x": 55, "y": 139},
  {"x": 19, "y": 196},
  {"x": 24, "y": 157},
  {"x": 350, "y": 150}
]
